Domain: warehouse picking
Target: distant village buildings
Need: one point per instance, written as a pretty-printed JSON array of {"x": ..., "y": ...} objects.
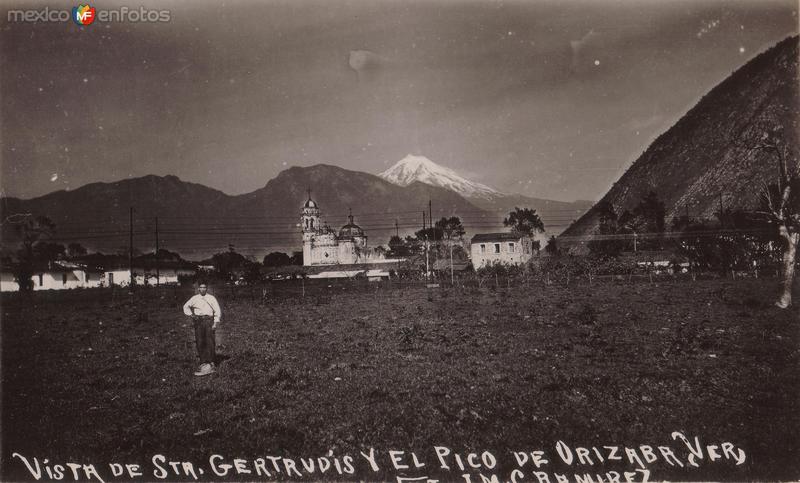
[
  {"x": 333, "y": 254},
  {"x": 57, "y": 275},
  {"x": 509, "y": 248},
  {"x": 169, "y": 274},
  {"x": 63, "y": 275}
]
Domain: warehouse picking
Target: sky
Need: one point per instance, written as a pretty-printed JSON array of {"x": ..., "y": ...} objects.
[{"x": 550, "y": 99}]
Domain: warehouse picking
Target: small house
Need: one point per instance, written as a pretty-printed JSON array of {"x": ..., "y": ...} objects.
[
  {"x": 168, "y": 273},
  {"x": 508, "y": 248}
]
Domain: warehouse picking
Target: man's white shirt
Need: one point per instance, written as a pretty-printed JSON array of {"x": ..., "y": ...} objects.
[{"x": 203, "y": 305}]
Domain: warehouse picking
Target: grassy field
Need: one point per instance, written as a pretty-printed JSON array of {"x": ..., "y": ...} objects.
[{"x": 91, "y": 377}]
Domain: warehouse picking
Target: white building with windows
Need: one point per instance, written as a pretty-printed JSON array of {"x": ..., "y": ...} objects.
[
  {"x": 168, "y": 275},
  {"x": 509, "y": 248}
]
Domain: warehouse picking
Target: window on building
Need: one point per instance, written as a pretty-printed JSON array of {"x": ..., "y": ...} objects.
[
  {"x": 41, "y": 279},
  {"x": 64, "y": 278},
  {"x": 497, "y": 248},
  {"x": 511, "y": 247},
  {"x": 483, "y": 248}
]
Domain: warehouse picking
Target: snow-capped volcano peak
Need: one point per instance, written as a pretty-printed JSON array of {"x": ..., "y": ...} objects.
[{"x": 419, "y": 168}]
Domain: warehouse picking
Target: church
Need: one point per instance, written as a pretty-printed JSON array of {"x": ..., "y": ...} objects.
[{"x": 324, "y": 246}]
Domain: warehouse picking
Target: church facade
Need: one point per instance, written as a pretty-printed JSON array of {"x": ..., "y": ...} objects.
[{"x": 324, "y": 246}]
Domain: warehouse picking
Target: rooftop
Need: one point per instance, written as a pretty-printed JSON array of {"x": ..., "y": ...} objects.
[{"x": 492, "y": 237}]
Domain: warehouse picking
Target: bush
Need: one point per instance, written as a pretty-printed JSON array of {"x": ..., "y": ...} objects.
[
  {"x": 564, "y": 269},
  {"x": 501, "y": 270},
  {"x": 409, "y": 271},
  {"x": 614, "y": 266},
  {"x": 555, "y": 269}
]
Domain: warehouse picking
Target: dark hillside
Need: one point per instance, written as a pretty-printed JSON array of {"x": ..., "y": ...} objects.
[{"x": 706, "y": 158}]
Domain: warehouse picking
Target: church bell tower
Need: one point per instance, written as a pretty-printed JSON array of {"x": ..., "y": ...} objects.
[{"x": 309, "y": 221}]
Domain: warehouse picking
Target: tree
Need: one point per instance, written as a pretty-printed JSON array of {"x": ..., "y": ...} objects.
[
  {"x": 650, "y": 213},
  {"x": 228, "y": 263},
  {"x": 452, "y": 230},
  {"x": 608, "y": 239},
  {"x": 552, "y": 246},
  {"x": 252, "y": 272},
  {"x": 780, "y": 204},
  {"x": 524, "y": 221},
  {"x": 413, "y": 244},
  {"x": 358, "y": 252},
  {"x": 432, "y": 234},
  {"x": 647, "y": 217},
  {"x": 460, "y": 253},
  {"x": 48, "y": 251},
  {"x": 76, "y": 250},
  {"x": 124, "y": 251},
  {"x": 33, "y": 230},
  {"x": 738, "y": 241},
  {"x": 166, "y": 255},
  {"x": 615, "y": 232},
  {"x": 297, "y": 258},
  {"x": 277, "y": 259},
  {"x": 397, "y": 247},
  {"x": 380, "y": 251}
]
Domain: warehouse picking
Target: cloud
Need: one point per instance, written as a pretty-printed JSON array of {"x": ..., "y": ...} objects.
[
  {"x": 365, "y": 62},
  {"x": 579, "y": 47}
]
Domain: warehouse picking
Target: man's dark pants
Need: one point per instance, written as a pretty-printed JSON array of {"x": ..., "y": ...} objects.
[{"x": 204, "y": 337}]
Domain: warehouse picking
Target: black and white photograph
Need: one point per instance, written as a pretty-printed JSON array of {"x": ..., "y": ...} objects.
[{"x": 471, "y": 241}]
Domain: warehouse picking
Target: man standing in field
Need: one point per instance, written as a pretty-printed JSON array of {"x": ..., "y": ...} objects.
[{"x": 204, "y": 310}]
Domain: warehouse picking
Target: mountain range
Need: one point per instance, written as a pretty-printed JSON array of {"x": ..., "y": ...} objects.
[
  {"x": 709, "y": 159},
  {"x": 196, "y": 220},
  {"x": 705, "y": 162}
]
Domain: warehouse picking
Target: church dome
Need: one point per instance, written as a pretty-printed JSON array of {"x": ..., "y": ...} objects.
[
  {"x": 350, "y": 230},
  {"x": 310, "y": 204}
]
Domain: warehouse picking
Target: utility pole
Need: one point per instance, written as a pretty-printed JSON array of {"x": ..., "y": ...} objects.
[
  {"x": 130, "y": 253},
  {"x": 430, "y": 216},
  {"x": 452, "y": 278},
  {"x": 427, "y": 262},
  {"x": 430, "y": 221},
  {"x": 158, "y": 273},
  {"x": 634, "y": 241},
  {"x": 396, "y": 229}
]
